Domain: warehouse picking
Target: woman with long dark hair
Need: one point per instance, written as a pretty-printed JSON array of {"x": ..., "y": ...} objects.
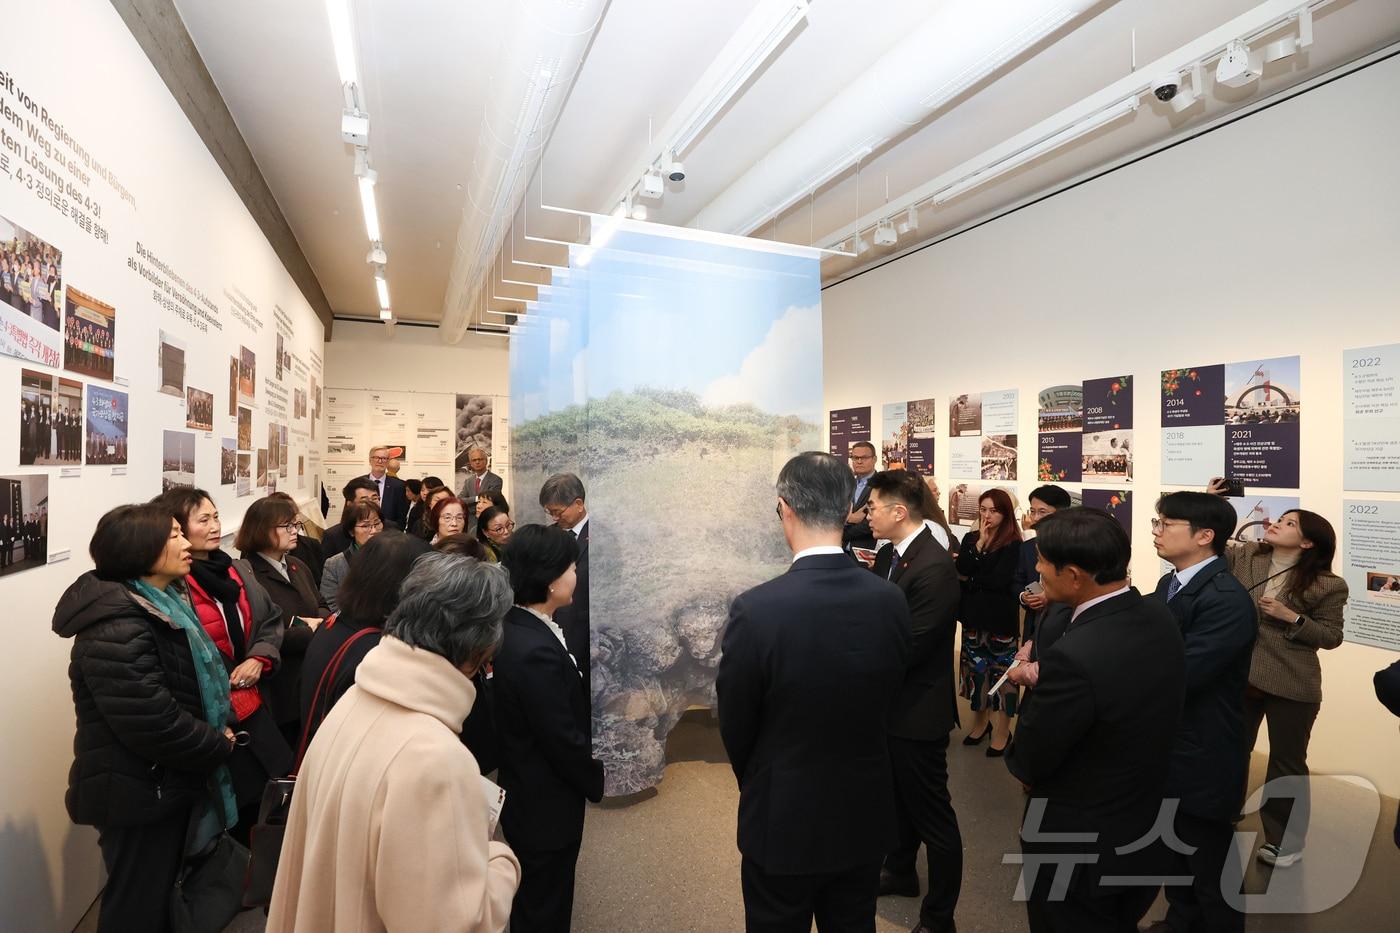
[
  {"x": 990, "y": 616},
  {"x": 369, "y": 593},
  {"x": 1300, "y": 602},
  {"x": 246, "y": 626}
]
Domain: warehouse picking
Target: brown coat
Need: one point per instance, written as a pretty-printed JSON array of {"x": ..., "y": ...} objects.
[
  {"x": 389, "y": 828},
  {"x": 1285, "y": 656}
]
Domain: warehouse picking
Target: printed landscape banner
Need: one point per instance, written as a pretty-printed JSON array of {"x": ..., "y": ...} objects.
[{"x": 676, "y": 377}]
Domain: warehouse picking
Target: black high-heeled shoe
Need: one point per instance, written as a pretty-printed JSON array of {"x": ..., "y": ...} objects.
[
  {"x": 994, "y": 752},
  {"x": 971, "y": 739}
]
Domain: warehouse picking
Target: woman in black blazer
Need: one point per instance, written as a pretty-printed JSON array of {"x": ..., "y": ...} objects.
[
  {"x": 990, "y": 615},
  {"x": 542, "y": 721},
  {"x": 265, "y": 540}
]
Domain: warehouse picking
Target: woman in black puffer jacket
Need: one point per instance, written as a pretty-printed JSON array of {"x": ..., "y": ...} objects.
[{"x": 152, "y": 737}]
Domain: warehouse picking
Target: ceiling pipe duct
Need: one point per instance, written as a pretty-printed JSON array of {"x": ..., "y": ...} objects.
[
  {"x": 535, "y": 68},
  {"x": 960, "y": 44}
]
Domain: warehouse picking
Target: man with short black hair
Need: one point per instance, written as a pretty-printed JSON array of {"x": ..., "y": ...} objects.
[
  {"x": 360, "y": 489},
  {"x": 562, "y": 497},
  {"x": 1043, "y": 502},
  {"x": 1093, "y": 748},
  {"x": 810, "y": 665},
  {"x": 856, "y": 533},
  {"x": 1219, "y": 622},
  {"x": 924, "y": 708}
]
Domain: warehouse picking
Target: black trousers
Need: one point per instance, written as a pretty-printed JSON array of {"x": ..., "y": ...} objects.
[
  {"x": 1087, "y": 906},
  {"x": 843, "y": 902},
  {"x": 544, "y": 902},
  {"x": 142, "y": 862},
  {"x": 1200, "y": 906},
  {"x": 1290, "y": 729},
  {"x": 925, "y": 813}
]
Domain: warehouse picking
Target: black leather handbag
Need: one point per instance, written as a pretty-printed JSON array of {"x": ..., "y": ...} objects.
[{"x": 207, "y": 890}]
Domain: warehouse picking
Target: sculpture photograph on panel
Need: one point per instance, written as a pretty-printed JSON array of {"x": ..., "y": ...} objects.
[{"x": 675, "y": 378}]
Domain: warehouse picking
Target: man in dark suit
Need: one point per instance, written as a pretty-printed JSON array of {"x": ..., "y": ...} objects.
[
  {"x": 924, "y": 709},
  {"x": 1092, "y": 749},
  {"x": 856, "y": 530},
  {"x": 811, "y": 663},
  {"x": 479, "y": 479},
  {"x": 1218, "y": 621},
  {"x": 562, "y": 497},
  {"x": 392, "y": 501},
  {"x": 360, "y": 489}
]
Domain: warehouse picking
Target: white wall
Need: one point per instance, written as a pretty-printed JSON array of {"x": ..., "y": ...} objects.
[
  {"x": 95, "y": 81},
  {"x": 413, "y": 359},
  {"x": 1274, "y": 236}
]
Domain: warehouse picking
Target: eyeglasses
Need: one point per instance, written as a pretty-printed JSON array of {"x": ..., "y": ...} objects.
[
  {"x": 1159, "y": 524},
  {"x": 501, "y": 529},
  {"x": 451, "y": 519},
  {"x": 1041, "y": 513},
  {"x": 293, "y": 527},
  {"x": 370, "y": 526},
  {"x": 870, "y": 507},
  {"x": 378, "y": 459},
  {"x": 855, "y": 457}
]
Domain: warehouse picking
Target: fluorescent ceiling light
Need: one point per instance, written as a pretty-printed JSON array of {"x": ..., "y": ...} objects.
[
  {"x": 766, "y": 39},
  {"x": 370, "y": 211},
  {"x": 841, "y": 164},
  {"x": 1034, "y": 151},
  {"x": 381, "y": 286},
  {"x": 385, "y": 314},
  {"x": 343, "y": 38}
]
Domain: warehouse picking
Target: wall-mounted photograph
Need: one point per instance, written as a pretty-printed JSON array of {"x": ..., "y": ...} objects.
[
  {"x": 89, "y": 336},
  {"x": 24, "y": 522},
  {"x": 31, "y": 286}
]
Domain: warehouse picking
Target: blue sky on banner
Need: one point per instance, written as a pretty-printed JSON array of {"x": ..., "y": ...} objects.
[{"x": 732, "y": 325}]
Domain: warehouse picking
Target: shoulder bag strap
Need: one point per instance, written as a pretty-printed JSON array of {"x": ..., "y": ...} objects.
[{"x": 316, "y": 714}]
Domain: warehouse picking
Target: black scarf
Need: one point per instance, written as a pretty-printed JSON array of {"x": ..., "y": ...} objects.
[{"x": 212, "y": 576}]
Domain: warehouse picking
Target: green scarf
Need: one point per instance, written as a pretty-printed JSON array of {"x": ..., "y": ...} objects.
[{"x": 209, "y": 671}]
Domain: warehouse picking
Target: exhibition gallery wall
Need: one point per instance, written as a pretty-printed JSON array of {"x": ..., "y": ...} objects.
[
  {"x": 1225, "y": 307},
  {"x": 148, "y": 335}
]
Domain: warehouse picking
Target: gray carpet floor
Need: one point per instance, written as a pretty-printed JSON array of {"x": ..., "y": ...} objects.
[{"x": 667, "y": 860}]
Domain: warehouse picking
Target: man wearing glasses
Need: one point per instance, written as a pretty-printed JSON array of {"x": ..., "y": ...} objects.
[
  {"x": 392, "y": 500},
  {"x": 856, "y": 533}
]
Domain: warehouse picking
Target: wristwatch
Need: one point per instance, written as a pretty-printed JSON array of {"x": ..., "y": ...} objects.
[{"x": 1298, "y": 621}]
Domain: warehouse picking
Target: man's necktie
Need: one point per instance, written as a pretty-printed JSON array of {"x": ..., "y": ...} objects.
[
  {"x": 1174, "y": 587},
  {"x": 894, "y": 562},
  {"x": 477, "y": 490}
]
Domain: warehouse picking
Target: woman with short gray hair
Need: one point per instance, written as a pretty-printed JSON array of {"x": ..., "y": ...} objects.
[{"x": 389, "y": 829}]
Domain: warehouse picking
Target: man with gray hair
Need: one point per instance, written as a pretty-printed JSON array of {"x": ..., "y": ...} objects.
[
  {"x": 389, "y": 828},
  {"x": 561, "y": 497},
  {"x": 479, "y": 480},
  {"x": 811, "y": 663}
]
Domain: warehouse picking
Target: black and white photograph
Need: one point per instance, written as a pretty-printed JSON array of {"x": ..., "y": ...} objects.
[
  {"x": 171, "y": 360},
  {"x": 177, "y": 460},
  {"x": 24, "y": 522},
  {"x": 228, "y": 462},
  {"x": 1108, "y": 454},
  {"x": 199, "y": 409}
]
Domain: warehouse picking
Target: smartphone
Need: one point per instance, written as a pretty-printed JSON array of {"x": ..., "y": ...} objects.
[
  {"x": 1034, "y": 588},
  {"x": 1233, "y": 488}
]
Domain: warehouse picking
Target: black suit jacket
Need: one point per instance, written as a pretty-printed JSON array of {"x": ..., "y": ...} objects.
[
  {"x": 297, "y": 596},
  {"x": 925, "y": 707},
  {"x": 1093, "y": 746},
  {"x": 546, "y": 757},
  {"x": 1218, "y": 622},
  {"x": 857, "y": 534},
  {"x": 393, "y": 504},
  {"x": 811, "y": 663},
  {"x": 573, "y": 619}
]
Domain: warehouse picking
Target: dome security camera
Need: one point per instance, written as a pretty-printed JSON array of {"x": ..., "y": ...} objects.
[
  {"x": 676, "y": 171},
  {"x": 1165, "y": 87}
]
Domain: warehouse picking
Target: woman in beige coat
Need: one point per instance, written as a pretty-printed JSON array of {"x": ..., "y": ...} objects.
[{"x": 389, "y": 827}]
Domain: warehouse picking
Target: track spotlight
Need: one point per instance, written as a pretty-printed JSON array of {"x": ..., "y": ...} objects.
[
  {"x": 910, "y": 221},
  {"x": 884, "y": 233},
  {"x": 638, "y": 212},
  {"x": 652, "y": 186},
  {"x": 1239, "y": 66}
]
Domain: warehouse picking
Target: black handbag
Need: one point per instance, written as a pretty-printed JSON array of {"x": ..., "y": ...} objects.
[
  {"x": 265, "y": 838},
  {"x": 207, "y": 893}
]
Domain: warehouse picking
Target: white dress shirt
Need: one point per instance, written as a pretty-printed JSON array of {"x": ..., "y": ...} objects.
[
  {"x": 577, "y": 529},
  {"x": 814, "y": 551},
  {"x": 1184, "y": 576},
  {"x": 1098, "y": 599},
  {"x": 553, "y": 627}
]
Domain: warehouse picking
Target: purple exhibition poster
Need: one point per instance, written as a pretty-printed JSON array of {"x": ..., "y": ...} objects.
[{"x": 845, "y": 426}]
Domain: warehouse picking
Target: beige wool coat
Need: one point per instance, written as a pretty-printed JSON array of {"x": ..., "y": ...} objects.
[{"x": 389, "y": 827}]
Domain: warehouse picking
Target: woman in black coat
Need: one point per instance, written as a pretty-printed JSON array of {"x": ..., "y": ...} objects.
[
  {"x": 265, "y": 540},
  {"x": 151, "y": 743},
  {"x": 990, "y": 616},
  {"x": 542, "y": 726}
]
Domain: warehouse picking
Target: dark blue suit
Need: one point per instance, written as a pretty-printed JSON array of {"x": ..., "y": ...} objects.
[
  {"x": 1209, "y": 760},
  {"x": 812, "y": 661}
]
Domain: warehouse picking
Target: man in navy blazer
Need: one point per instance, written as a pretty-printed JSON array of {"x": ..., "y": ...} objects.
[
  {"x": 1209, "y": 762},
  {"x": 1092, "y": 747},
  {"x": 393, "y": 502},
  {"x": 924, "y": 709},
  {"x": 812, "y": 661}
]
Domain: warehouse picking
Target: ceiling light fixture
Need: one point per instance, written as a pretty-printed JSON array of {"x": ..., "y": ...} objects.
[
  {"x": 1239, "y": 66},
  {"x": 884, "y": 233},
  {"x": 385, "y": 314},
  {"x": 841, "y": 164},
  {"x": 1035, "y": 150},
  {"x": 910, "y": 221},
  {"x": 639, "y": 212},
  {"x": 343, "y": 39},
  {"x": 382, "y": 287},
  {"x": 371, "y": 212},
  {"x": 764, "y": 42},
  {"x": 860, "y": 245}
]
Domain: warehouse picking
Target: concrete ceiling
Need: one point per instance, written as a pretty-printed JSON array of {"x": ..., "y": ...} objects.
[{"x": 274, "y": 64}]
